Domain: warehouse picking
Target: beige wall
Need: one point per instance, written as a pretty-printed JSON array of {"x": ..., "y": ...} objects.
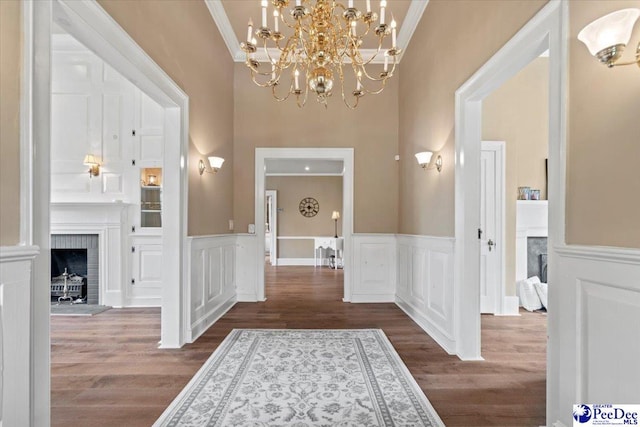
[
  {"x": 453, "y": 39},
  {"x": 182, "y": 38},
  {"x": 603, "y": 182},
  {"x": 327, "y": 190},
  {"x": 10, "y": 69},
  {"x": 518, "y": 113},
  {"x": 372, "y": 129}
]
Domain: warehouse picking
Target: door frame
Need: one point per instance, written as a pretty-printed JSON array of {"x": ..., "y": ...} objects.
[
  {"x": 344, "y": 154},
  {"x": 546, "y": 30},
  {"x": 500, "y": 292},
  {"x": 273, "y": 250},
  {"x": 97, "y": 30}
]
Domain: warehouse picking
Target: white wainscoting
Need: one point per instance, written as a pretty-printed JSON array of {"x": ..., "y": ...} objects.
[
  {"x": 374, "y": 268},
  {"x": 594, "y": 328},
  {"x": 212, "y": 286},
  {"x": 16, "y": 264},
  {"x": 247, "y": 268},
  {"x": 425, "y": 285}
]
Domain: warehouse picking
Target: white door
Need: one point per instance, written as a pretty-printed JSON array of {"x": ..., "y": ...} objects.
[
  {"x": 271, "y": 212},
  {"x": 490, "y": 234}
]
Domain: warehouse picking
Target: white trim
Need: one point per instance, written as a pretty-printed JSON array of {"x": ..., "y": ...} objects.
[
  {"x": 201, "y": 325},
  {"x": 219, "y": 15},
  {"x": 544, "y": 30},
  {"x": 438, "y": 336},
  {"x": 26, "y": 124},
  {"x": 372, "y": 298},
  {"x": 499, "y": 148},
  {"x": 410, "y": 23},
  {"x": 39, "y": 47},
  {"x": 344, "y": 154},
  {"x": 18, "y": 253},
  {"x": 600, "y": 253},
  {"x": 96, "y": 29},
  {"x": 273, "y": 250}
]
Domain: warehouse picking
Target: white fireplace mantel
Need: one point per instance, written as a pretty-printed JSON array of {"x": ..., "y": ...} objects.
[
  {"x": 532, "y": 220},
  {"x": 108, "y": 221}
]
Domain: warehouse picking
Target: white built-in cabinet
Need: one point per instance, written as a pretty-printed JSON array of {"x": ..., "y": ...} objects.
[{"x": 97, "y": 111}]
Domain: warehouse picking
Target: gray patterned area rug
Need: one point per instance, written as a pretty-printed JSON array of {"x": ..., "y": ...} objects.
[{"x": 263, "y": 377}]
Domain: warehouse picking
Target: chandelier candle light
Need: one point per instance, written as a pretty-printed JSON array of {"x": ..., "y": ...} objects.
[{"x": 326, "y": 43}]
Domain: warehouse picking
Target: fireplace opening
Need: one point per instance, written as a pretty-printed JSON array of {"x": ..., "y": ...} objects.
[
  {"x": 537, "y": 257},
  {"x": 69, "y": 275}
]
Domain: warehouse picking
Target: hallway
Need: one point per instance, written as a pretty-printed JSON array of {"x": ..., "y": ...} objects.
[{"x": 107, "y": 370}]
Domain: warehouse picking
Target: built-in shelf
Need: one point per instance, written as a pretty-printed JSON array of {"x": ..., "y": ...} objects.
[{"x": 151, "y": 198}]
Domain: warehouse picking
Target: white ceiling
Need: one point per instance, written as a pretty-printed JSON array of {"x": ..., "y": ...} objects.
[
  {"x": 298, "y": 167},
  {"x": 231, "y": 17}
]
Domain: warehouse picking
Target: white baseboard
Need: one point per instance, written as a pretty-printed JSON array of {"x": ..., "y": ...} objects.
[
  {"x": 372, "y": 298},
  {"x": 447, "y": 344},
  {"x": 511, "y": 306},
  {"x": 210, "y": 318}
]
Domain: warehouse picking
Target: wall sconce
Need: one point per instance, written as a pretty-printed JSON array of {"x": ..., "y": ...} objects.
[
  {"x": 214, "y": 162},
  {"x": 607, "y": 37},
  {"x": 335, "y": 216},
  {"x": 93, "y": 163},
  {"x": 424, "y": 158}
]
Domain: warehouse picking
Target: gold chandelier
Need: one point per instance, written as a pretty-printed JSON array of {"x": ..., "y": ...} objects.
[{"x": 326, "y": 42}]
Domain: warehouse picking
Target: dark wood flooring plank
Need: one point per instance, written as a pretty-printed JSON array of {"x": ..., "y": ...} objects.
[{"x": 107, "y": 369}]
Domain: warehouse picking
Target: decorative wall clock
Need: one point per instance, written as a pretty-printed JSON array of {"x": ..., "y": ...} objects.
[{"x": 309, "y": 207}]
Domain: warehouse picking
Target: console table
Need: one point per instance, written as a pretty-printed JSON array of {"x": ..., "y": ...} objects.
[{"x": 323, "y": 243}]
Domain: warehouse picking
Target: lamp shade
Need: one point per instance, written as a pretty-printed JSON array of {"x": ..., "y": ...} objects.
[
  {"x": 424, "y": 157},
  {"x": 335, "y": 215},
  {"x": 90, "y": 160},
  {"x": 216, "y": 162},
  {"x": 610, "y": 30}
]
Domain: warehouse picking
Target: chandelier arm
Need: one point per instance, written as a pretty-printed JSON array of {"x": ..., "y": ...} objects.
[
  {"x": 285, "y": 20},
  {"x": 273, "y": 92},
  {"x": 260, "y": 73}
]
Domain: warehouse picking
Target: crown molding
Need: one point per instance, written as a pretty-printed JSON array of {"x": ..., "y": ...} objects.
[
  {"x": 224, "y": 25},
  {"x": 409, "y": 24}
]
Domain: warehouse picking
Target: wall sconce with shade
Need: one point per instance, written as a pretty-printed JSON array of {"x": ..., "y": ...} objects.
[
  {"x": 608, "y": 36},
  {"x": 93, "y": 163},
  {"x": 214, "y": 162},
  {"x": 424, "y": 159},
  {"x": 335, "y": 216}
]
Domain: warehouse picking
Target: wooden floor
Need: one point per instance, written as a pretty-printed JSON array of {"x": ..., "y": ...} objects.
[{"x": 107, "y": 370}]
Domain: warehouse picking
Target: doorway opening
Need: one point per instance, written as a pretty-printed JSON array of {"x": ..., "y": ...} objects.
[
  {"x": 88, "y": 23},
  {"x": 307, "y": 219},
  {"x": 542, "y": 33}
]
